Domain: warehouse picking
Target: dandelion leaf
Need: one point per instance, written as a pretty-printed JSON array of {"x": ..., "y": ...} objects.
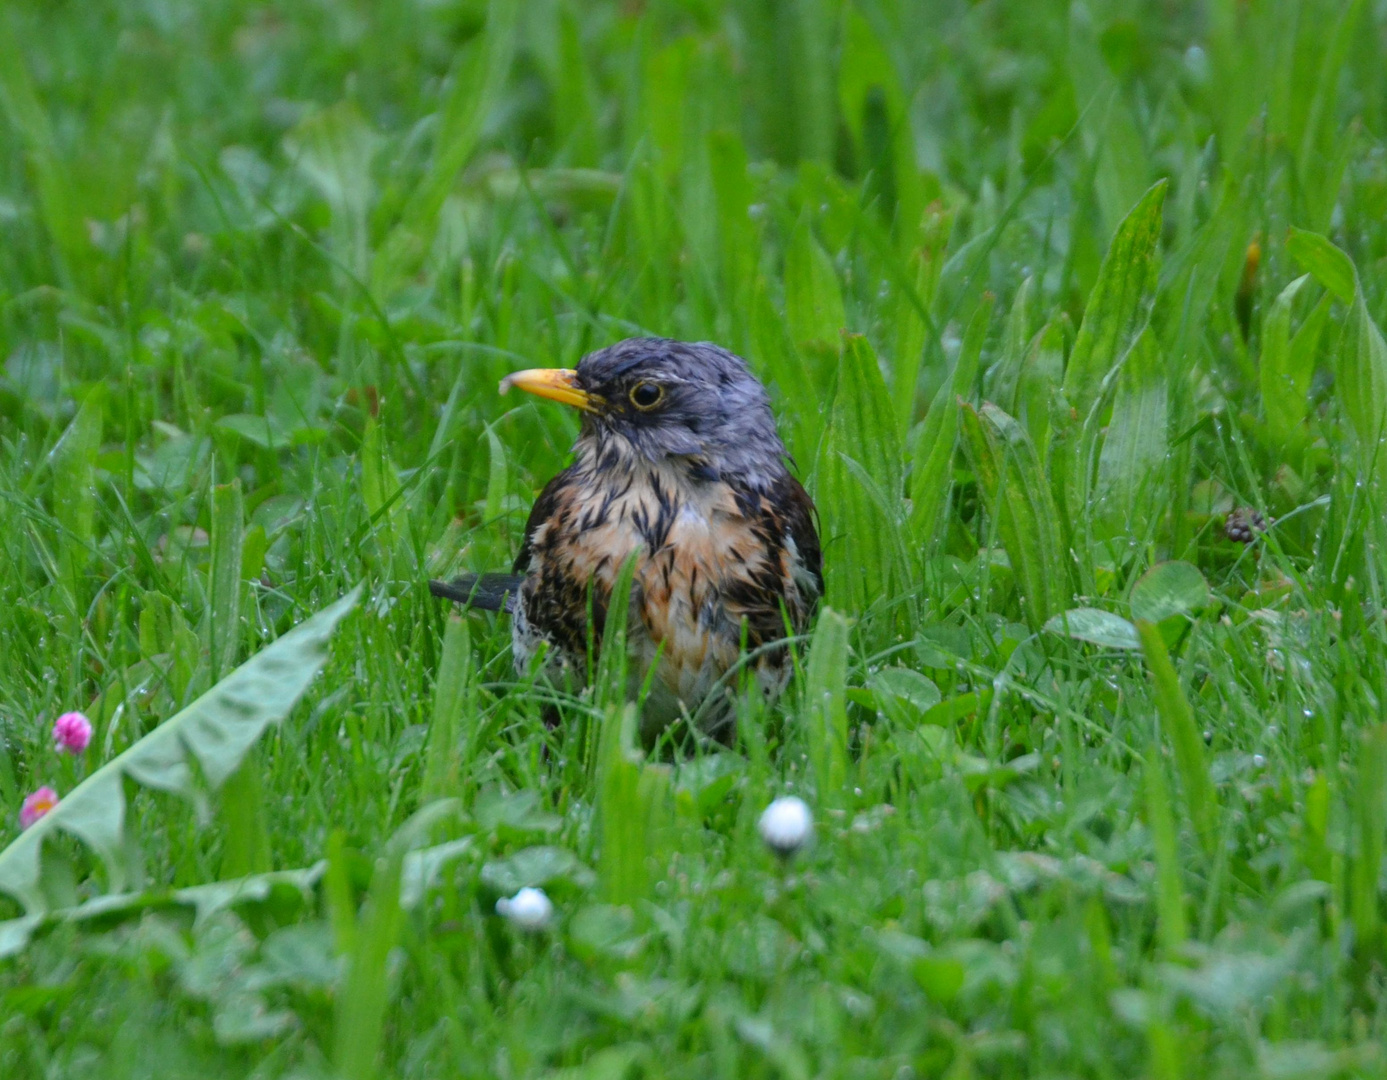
[{"x": 217, "y": 729}]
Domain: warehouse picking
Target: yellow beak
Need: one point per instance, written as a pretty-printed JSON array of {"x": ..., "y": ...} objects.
[{"x": 556, "y": 384}]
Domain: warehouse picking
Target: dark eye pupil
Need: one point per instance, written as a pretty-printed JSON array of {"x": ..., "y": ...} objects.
[{"x": 646, "y": 394}]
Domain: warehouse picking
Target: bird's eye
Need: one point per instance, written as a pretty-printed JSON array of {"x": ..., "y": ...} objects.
[{"x": 646, "y": 395}]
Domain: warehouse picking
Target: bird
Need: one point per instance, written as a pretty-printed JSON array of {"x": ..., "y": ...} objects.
[{"x": 679, "y": 468}]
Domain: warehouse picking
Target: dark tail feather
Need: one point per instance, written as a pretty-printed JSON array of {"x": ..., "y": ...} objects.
[{"x": 489, "y": 592}]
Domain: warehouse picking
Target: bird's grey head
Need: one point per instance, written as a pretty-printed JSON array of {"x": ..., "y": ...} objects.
[{"x": 657, "y": 400}]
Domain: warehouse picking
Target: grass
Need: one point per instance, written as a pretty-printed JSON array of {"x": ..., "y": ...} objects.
[{"x": 1099, "y": 791}]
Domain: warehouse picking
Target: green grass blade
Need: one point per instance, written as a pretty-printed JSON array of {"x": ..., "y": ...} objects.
[
  {"x": 334, "y": 149},
  {"x": 474, "y": 89},
  {"x": 1370, "y": 811},
  {"x": 49, "y": 174},
  {"x": 734, "y": 195},
  {"x": 633, "y": 809},
  {"x": 1177, "y": 721},
  {"x": 1018, "y": 496},
  {"x": 74, "y": 498},
  {"x": 813, "y": 306},
  {"x": 861, "y": 538},
  {"x": 450, "y": 727},
  {"x": 246, "y": 848},
  {"x": 1110, "y": 131},
  {"x": 497, "y": 477},
  {"x": 1288, "y": 364},
  {"x": 1005, "y": 374},
  {"x": 1131, "y": 463},
  {"x": 1042, "y": 375},
  {"x": 224, "y": 591},
  {"x": 933, "y": 457},
  {"x": 825, "y": 704},
  {"x": 612, "y": 676},
  {"x": 1170, "y": 892},
  {"x": 380, "y": 489},
  {"x": 359, "y": 1026},
  {"x": 911, "y": 336}
]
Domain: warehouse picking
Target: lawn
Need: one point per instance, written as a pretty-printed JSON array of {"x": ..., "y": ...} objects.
[{"x": 1070, "y": 316}]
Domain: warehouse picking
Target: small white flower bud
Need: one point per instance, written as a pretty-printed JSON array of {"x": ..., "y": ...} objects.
[
  {"x": 529, "y": 909},
  {"x": 786, "y": 825}
]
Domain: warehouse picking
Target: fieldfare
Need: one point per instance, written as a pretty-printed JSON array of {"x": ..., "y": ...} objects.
[{"x": 678, "y": 463}]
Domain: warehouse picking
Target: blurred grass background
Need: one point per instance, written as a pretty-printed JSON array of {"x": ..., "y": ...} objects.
[{"x": 262, "y": 268}]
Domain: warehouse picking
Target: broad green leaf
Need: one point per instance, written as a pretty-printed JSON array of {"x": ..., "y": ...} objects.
[
  {"x": 604, "y": 930},
  {"x": 861, "y": 536},
  {"x": 1019, "y": 500},
  {"x": 933, "y": 456},
  {"x": 263, "y": 431},
  {"x": 216, "y": 730},
  {"x": 423, "y": 869},
  {"x": 1134, "y": 452},
  {"x": 1096, "y": 627},
  {"x": 1177, "y": 721},
  {"x": 825, "y": 703},
  {"x": 1288, "y": 364},
  {"x": 1331, "y": 267},
  {"x": 903, "y": 694},
  {"x": 952, "y": 710},
  {"x": 1361, "y": 381},
  {"x": 419, "y": 874},
  {"x": 813, "y": 304},
  {"x": 536, "y": 866},
  {"x": 205, "y": 900},
  {"x": 1119, "y": 306},
  {"x": 1169, "y": 588}
]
